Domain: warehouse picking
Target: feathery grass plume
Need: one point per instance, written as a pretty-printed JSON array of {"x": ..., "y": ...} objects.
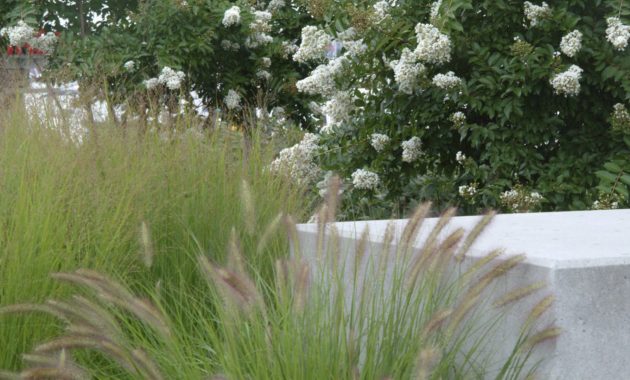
[
  {"x": 249, "y": 208},
  {"x": 147, "y": 245},
  {"x": 434, "y": 324},
  {"x": 413, "y": 226},
  {"x": 292, "y": 234},
  {"x": 111, "y": 291},
  {"x": 235, "y": 262},
  {"x": 78, "y": 314},
  {"x": 5, "y": 375},
  {"x": 427, "y": 359},
  {"x": 270, "y": 230},
  {"x": 549, "y": 333},
  {"x": 428, "y": 246},
  {"x": 359, "y": 252},
  {"x": 474, "y": 234},
  {"x": 56, "y": 361},
  {"x": 538, "y": 310},
  {"x": 480, "y": 263},
  {"x": 301, "y": 286},
  {"x": 469, "y": 299},
  {"x": 332, "y": 198},
  {"x": 90, "y": 342},
  {"x": 29, "y": 308},
  {"x": 519, "y": 293},
  {"x": 236, "y": 289},
  {"x": 437, "y": 258},
  {"x": 147, "y": 366}
]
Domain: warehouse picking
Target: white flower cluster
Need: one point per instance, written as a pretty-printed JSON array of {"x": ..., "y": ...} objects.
[
  {"x": 519, "y": 200},
  {"x": 45, "y": 42},
  {"x": 275, "y": 5},
  {"x": 18, "y": 35},
  {"x": 435, "y": 10},
  {"x": 260, "y": 27},
  {"x": 379, "y": 141},
  {"x": 381, "y": 10},
  {"x": 265, "y": 62},
  {"x": 609, "y": 201},
  {"x": 338, "y": 108},
  {"x": 458, "y": 118},
  {"x": 571, "y": 43},
  {"x": 412, "y": 149},
  {"x": 298, "y": 161},
  {"x": 322, "y": 79},
  {"x": 620, "y": 118},
  {"x": 460, "y": 157},
  {"x": 535, "y": 13},
  {"x": 232, "y": 100},
  {"x": 263, "y": 74},
  {"x": 130, "y": 66},
  {"x": 232, "y": 16},
  {"x": 151, "y": 83},
  {"x": 288, "y": 49},
  {"x": 433, "y": 46},
  {"x": 617, "y": 33},
  {"x": 567, "y": 82},
  {"x": 365, "y": 180},
  {"x": 447, "y": 81},
  {"x": 229, "y": 45},
  {"x": 406, "y": 71},
  {"x": 314, "y": 44},
  {"x": 467, "y": 191},
  {"x": 171, "y": 79}
]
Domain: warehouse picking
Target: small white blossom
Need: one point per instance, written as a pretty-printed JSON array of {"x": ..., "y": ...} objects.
[
  {"x": 263, "y": 74},
  {"x": 314, "y": 44},
  {"x": 435, "y": 10},
  {"x": 265, "y": 62},
  {"x": 617, "y": 33},
  {"x": 365, "y": 179},
  {"x": 381, "y": 10},
  {"x": 458, "y": 118},
  {"x": 229, "y": 45},
  {"x": 338, "y": 108},
  {"x": 232, "y": 16},
  {"x": 45, "y": 42},
  {"x": 519, "y": 200},
  {"x": 535, "y": 13},
  {"x": 407, "y": 71},
  {"x": 571, "y": 43},
  {"x": 567, "y": 83},
  {"x": 275, "y": 5},
  {"x": 379, "y": 141},
  {"x": 433, "y": 46},
  {"x": 460, "y": 157},
  {"x": 412, "y": 149},
  {"x": 298, "y": 161},
  {"x": 171, "y": 79},
  {"x": 151, "y": 83},
  {"x": 467, "y": 191},
  {"x": 322, "y": 79},
  {"x": 447, "y": 81},
  {"x": 18, "y": 35},
  {"x": 288, "y": 49},
  {"x": 130, "y": 66},
  {"x": 232, "y": 100}
]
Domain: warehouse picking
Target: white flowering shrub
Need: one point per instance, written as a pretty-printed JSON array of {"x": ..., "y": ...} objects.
[
  {"x": 206, "y": 47},
  {"x": 459, "y": 102}
]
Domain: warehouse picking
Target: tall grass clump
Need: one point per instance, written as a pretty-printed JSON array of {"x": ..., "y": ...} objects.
[
  {"x": 95, "y": 203},
  {"x": 384, "y": 310}
]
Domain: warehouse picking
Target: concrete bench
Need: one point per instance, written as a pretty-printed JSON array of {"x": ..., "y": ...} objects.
[{"x": 585, "y": 259}]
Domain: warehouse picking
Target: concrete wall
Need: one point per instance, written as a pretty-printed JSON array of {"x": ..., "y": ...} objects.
[{"x": 584, "y": 257}]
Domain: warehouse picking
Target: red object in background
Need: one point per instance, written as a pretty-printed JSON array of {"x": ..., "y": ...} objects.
[{"x": 14, "y": 50}]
